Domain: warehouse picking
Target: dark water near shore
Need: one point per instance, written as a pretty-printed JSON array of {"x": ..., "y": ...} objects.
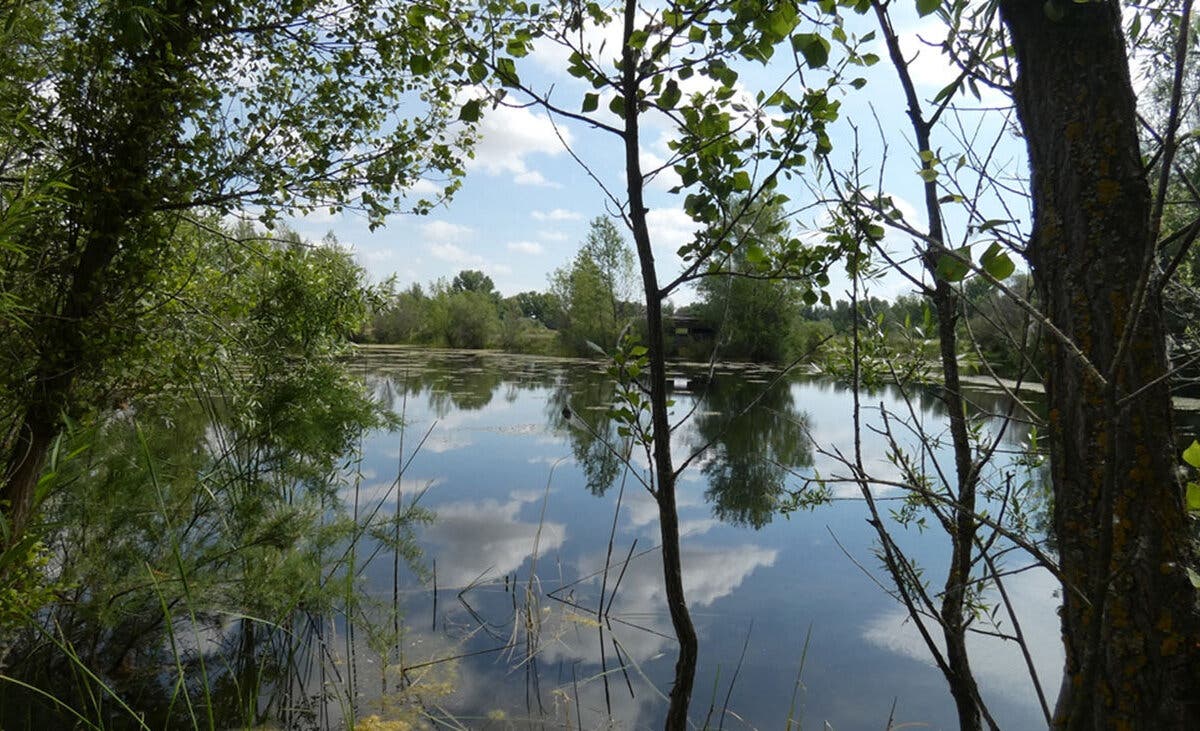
[{"x": 526, "y": 500}]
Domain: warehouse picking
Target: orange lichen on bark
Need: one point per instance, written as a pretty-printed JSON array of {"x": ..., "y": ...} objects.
[
  {"x": 1142, "y": 470},
  {"x": 1107, "y": 191}
]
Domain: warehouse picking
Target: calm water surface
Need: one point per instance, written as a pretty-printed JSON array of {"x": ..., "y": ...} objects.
[{"x": 526, "y": 500}]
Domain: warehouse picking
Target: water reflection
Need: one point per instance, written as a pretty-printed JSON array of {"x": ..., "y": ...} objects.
[
  {"x": 524, "y": 621},
  {"x": 755, "y": 437},
  {"x": 450, "y": 380},
  {"x": 574, "y": 651},
  {"x": 578, "y": 408},
  {"x": 748, "y": 437},
  {"x": 1005, "y": 671},
  {"x": 486, "y": 539}
]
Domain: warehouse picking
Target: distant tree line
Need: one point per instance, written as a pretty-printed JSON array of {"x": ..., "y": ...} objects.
[
  {"x": 586, "y": 302},
  {"x": 743, "y": 317}
]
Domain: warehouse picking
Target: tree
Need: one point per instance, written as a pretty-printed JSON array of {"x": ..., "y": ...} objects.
[
  {"x": 755, "y": 439},
  {"x": 754, "y": 315},
  {"x": 952, "y": 493},
  {"x": 403, "y": 317},
  {"x": 544, "y": 307},
  {"x": 470, "y": 319},
  {"x": 613, "y": 258},
  {"x": 592, "y": 291},
  {"x": 1130, "y": 615},
  {"x": 473, "y": 280},
  {"x": 587, "y": 309},
  {"x": 228, "y": 503},
  {"x": 148, "y": 113}
]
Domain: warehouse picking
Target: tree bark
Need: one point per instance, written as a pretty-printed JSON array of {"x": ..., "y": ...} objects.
[
  {"x": 103, "y": 240},
  {"x": 1129, "y": 615},
  {"x": 668, "y": 514}
]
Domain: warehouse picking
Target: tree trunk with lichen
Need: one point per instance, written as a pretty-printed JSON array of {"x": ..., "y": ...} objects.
[{"x": 1129, "y": 615}]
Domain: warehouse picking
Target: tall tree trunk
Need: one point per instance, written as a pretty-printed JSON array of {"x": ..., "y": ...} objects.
[
  {"x": 22, "y": 469},
  {"x": 664, "y": 470},
  {"x": 104, "y": 247},
  {"x": 1129, "y": 616}
]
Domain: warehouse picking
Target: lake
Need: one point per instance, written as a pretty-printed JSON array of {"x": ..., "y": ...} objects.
[{"x": 532, "y": 505}]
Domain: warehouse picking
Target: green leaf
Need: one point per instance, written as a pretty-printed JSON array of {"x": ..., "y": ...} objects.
[
  {"x": 506, "y": 71},
  {"x": 813, "y": 47},
  {"x": 952, "y": 268},
  {"x": 670, "y": 96},
  {"x": 1193, "y": 496},
  {"x": 783, "y": 20},
  {"x": 590, "y": 102},
  {"x": 992, "y": 223},
  {"x": 516, "y": 47},
  {"x": 947, "y": 90},
  {"x": 997, "y": 263},
  {"x": 1191, "y": 455},
  {"x": 925, "y": 7},
  {"x": 470, "y": 111},
  {"x": 1193, "y": 577},
  {"x": 419, "y": 65},
  {"x": 741, "y": 181}
]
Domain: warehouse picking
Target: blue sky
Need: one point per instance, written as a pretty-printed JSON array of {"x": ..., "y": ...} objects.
[{"x": 525, "y": 203}]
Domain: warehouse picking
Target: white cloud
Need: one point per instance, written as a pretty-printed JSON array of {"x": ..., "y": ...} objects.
[
  {"x": 558, "y": 214},
  {"x": 664, "y": 178},
  {"x": 597, "y": 41},
  {"x": 709, "y": 574},
  {"x": 552, "y": 235},
  {"x": 446, "y": 442},
  {"x": 533, "y": 177},
  {"x": 454, "y": 254},
  {"x": 697, "y": 526},
  {"x": 670, "y": 228},
  {"x": 932, "y": 69},
  {"x": 383, "y": 494},
  {"x": 320, "y": 215},
  {"x": 552, "y": 461},
  {"x": 928, "y": 67},
  {"x": 526, "y": 247},
  {"x": 508, "y": 135},
  {"x": 444, "y": 232}
]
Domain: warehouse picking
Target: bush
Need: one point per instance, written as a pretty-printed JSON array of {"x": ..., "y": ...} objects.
[{"x": 470, "y": 320}]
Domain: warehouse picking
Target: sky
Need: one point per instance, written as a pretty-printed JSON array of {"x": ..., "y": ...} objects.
[{"x": 525, "y": 203}]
